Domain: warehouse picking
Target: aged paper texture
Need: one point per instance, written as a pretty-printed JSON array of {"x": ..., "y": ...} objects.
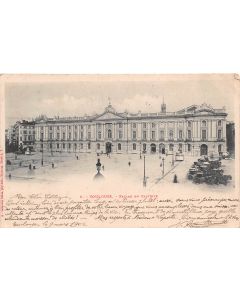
[{"x": 119, "y": 150}]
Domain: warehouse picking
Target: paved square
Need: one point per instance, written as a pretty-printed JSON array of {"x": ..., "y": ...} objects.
[{"x": 119, "y": 170}]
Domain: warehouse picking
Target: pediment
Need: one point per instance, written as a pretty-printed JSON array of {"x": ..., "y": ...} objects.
[
  {"x": 108, "y": 116},
  {"x": 205, "y": 112}
]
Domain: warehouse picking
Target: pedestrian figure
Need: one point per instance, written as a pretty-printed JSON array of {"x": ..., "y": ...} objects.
[
  {"x": 34, "y": 167},
  {"x": 175, "y": 179},
  {"x": 103, "y": 168},
  {"x": 129, "y": 163},
  {"x": 10, "y": 176},
  {"x": 77, "y": 157},
  {"x": 53, "y": 165}
]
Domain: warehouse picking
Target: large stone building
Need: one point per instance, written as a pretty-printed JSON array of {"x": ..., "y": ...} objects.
[{"x": 195, "y": 130}]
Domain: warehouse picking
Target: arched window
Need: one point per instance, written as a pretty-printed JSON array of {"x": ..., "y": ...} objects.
[
  {"x": 189, "y": 123},
  {"x": 109, "y": 133},
  {"x": 134, "y": 146},
  {"x": 119, "y": 146},
  {"x": 219, "y": 123},
  {"x": 99, "y": 135},
  {"x": 204, "y": 123}
]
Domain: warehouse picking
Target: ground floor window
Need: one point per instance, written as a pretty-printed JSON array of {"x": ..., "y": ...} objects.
[
  {"x": 144, "y": 147},
  {"x": 119, "y": 147},
  {"x": 98, "y": 146},
  {"x": 89, "y": 146},
  {"x": 171, "y": 146},
  {"x": 69, "y": 146},
  {"x": 162, "y": 148},
  {"x": 219, "y": 148},
  {"x": 57, "y": 146},
  {"x": 180, "y": 148},
  {"x": 134, "y": 146},
  {"x": 189, "y": 147},
  {"x": 81, "y": 146}
]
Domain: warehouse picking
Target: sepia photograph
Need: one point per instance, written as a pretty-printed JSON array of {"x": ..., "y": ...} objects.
[{"x": 124, "y": 136}]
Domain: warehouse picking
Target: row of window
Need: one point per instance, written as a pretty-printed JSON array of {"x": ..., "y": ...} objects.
[
  {"x": 134, "y": 147},
  {"x": 27, "y": 127},
  {"x": 134, "y": 135},
  {"x": 134, "y": 125},
  {"x": 26, "y": 138},
  {"x": 27, "y": 132}
]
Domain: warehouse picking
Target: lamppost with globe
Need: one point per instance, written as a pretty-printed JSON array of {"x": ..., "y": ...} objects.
[{"x": 144, "y": 170}]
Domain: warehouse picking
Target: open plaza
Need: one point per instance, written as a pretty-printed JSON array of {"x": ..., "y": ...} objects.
[{"x": 119, "y": 171}]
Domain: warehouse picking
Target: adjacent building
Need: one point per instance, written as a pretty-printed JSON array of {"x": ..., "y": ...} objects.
[
  {"x": 24, "y": 132},
  {"x": 230, "y": 132},
  {"x": 10, "y": 140},
  {"x": 195, "y": 130}
]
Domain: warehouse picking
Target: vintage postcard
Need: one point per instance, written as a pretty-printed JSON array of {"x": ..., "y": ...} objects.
[{"x": 119, "y": 150}]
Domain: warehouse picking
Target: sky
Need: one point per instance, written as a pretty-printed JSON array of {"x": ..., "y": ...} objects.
[{"x": 28, "y": 99}]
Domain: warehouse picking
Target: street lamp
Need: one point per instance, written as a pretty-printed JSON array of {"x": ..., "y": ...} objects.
[
  {"x": 163, "y": 159},
  {"x": 98, "y": 166},
  {"x": 144, "y": 170},
  {"x": 42, "y": 152},
  {"x": 172, "y": 158}
]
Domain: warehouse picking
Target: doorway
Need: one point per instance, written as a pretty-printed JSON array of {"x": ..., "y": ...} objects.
[
  {"x": 153, "y": 148},
  {"x": 204, "y": 149},
  {"x": 108, "y": 147}
]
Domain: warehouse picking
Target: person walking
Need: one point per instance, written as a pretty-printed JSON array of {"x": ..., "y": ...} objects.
[{"x": 175, "y": 180}]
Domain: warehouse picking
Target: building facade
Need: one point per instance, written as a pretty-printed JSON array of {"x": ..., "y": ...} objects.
[
  {"x": 24, "y": 132},
  {"x": 10, "y": 139},
  {"x": 230, "y": 132},
  {"x": 195, "y": 130}
]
